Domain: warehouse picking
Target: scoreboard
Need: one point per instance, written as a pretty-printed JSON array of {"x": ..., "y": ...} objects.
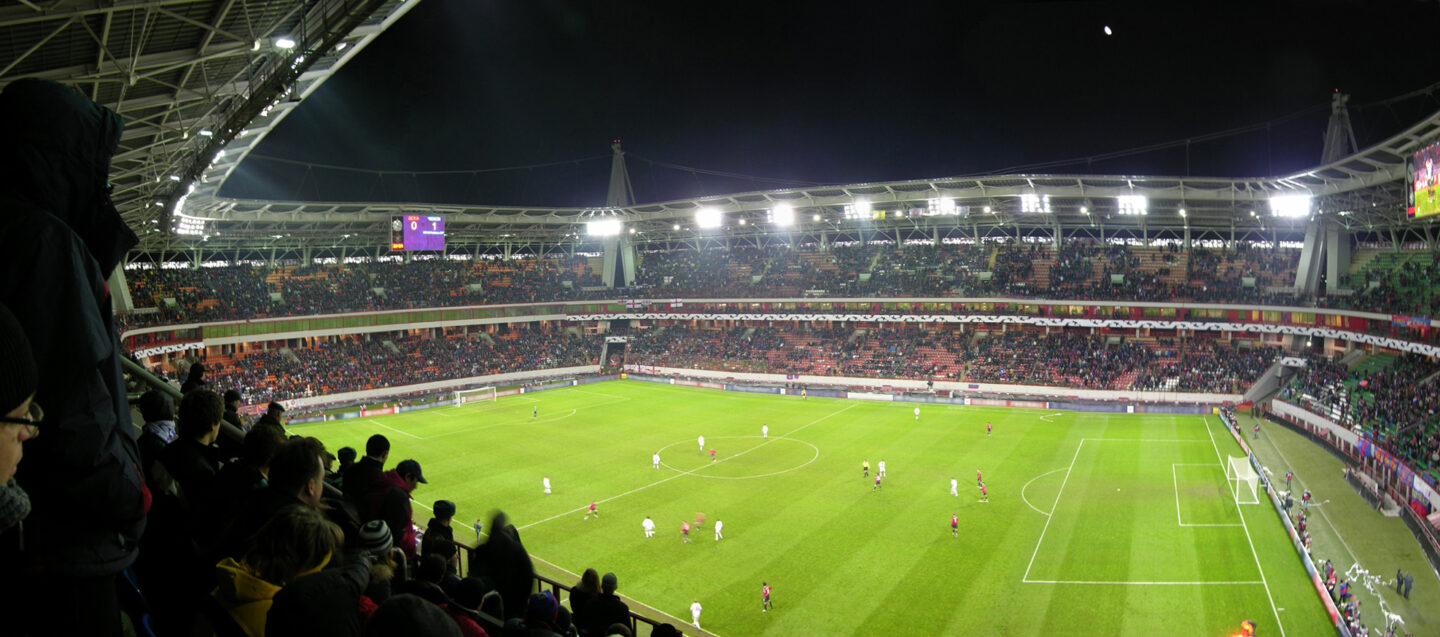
[
  {"x": 1424, "y": 178},
  {"x": 417, "y": 232}
]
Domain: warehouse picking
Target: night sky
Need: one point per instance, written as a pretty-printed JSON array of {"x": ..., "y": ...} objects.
[{"x": 835, "y": 92}]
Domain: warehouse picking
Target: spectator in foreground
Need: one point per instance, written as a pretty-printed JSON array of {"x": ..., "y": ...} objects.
[
  {"x": 274, "y": 417},
  {"x": 159, "y": 413},
  {"x": 586, "y": 589},
  {"x": 295, "y": 477},
  {"x": 232, "y": 410},
  {"x": 410, "y": 616},
  {"x": 392, "y": 504},
  {"x": 63, "y": 238},
  {"x": 195, "y": 380},
  {"x": 17, "y": 407},
  {"x": 502, "y": 559},
  {"x": 440, "y": 536},
  {"x": 606, "y": 609},
  {"x": 296, "y": 542},
  {"x": 191, "y": 459},
  {"x": 367, "y": 474}
]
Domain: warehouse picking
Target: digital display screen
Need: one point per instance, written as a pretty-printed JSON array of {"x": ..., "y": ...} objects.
[
  {"x": 417, "y": 233},
  {"x": 1425, "y": 182}
]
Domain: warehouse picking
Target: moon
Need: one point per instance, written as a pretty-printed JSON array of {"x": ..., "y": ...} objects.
[{"x": 1108, "y": 31}]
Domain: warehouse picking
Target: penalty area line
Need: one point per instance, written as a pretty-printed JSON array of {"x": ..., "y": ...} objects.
[{"x": 1104, "y": 583}]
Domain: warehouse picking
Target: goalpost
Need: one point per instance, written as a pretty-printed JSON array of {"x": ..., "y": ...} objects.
[
  {"x": 475, "y": 395},
  {"x": 1245, "y": 483}
]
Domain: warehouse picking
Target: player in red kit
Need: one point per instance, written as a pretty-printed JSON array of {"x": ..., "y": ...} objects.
[
  {"x": 984, "y": 496},
  {"x": 591, "y": 510},
  {"x": 685, "y": 532},
  {"x": 978, "y": 478},
  {"x": 877, "y": 483},
  {"x": 764, "y": 597},
  {"x": 954, "y": 525},
  {"x": 712, "y": 454},
  {"x": 988, "y": 428}
]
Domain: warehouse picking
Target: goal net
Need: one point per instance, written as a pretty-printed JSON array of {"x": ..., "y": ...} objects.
[
  {"x": 475, "y": 395},
  {"x": 1244, "y": 482}
]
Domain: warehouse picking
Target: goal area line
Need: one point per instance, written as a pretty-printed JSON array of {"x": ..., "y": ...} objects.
[{"x": 1130, "y": 583}]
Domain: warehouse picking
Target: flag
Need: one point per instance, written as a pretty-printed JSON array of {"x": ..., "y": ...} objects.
[{"x": 973, "y": 386}]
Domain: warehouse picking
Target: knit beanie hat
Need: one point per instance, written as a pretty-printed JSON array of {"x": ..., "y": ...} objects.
[
  {"x": 18, "y": 376},
  {"x": 541, "y": 607},
  {"x": 444, "y": 509},
  {"x": 375, "y": 537}
]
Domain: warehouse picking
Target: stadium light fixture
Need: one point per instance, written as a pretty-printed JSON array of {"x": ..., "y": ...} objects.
[
  {"x": 989, "y": 210},
  {"x": 1182, "y": 212},
  {"x": 1084, "y": 210},
  {"x": 1291, "y": 206},
  {"x": 783, "y": 215},
  {"x": 285, "y": 43},
  {"x": 1133, "y": 204},
  {"x": 943, "y": 207},
  {"x": 860, "y": 210},
  {"x": 816, "y": 217},
  {"x": 742, "y": 222},
  {"x": 709, "y": 217},
  {"x": 603, "y": 227},
  {"x": 676, "y": 227},
  {"x": 1032, "y": 202}
]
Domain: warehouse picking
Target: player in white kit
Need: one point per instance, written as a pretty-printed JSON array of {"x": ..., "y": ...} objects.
[
  {"x": 655, "y": 460},
  {"x": 917, "y": 413},
  {"x": 649, "y": 526},
  {"x": 719, "y": 525},
  {"x": 695, "y": 613},
  {"x": 882, "y": 469},
  {"x": 702, "y": 444},
  {"x": 546, "y": 483},
  {"x": 954, "y": 487},
  {"x": 764, "y": 431}
]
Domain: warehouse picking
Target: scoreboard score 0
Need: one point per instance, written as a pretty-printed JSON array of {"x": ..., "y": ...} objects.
[{"x": 417, "y": 233}]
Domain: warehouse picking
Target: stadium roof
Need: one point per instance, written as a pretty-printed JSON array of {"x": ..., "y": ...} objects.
[
  {"x": 190, "y": 77},
  {"x": 201, "y": 83}
]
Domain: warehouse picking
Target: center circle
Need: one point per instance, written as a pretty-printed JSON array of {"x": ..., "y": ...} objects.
[{"x": 703, "y": 470}]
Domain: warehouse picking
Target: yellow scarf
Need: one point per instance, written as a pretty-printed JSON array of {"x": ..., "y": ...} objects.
[{"x": 247, "y": 597}]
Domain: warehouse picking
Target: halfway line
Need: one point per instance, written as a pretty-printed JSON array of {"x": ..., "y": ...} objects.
[{"x": 686, "y": 473}]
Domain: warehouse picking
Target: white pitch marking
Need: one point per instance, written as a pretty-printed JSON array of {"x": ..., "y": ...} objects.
[
  {"x": 381, "y": 424},
  {"x": 681, "y": 475},
  {"x": 1256, "y": 555},
  {"x": 1027, "y": 485},
  {"x": 1098, "y": 583},
  {"x": 1048, "y": 518}
]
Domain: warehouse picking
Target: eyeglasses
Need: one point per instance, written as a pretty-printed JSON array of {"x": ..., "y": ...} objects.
[{"x": 32, "y": 424}]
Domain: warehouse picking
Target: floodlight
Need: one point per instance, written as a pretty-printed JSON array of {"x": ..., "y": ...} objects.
[
  {"x": 742, "y": 222},
  {"x": 1290, "y": 205},
  {"x": 285, "y": 43},
  {"x": 1133, "y": 204},
  {"x": 341, "y": 46},
  {"x": 1182, "y": 212},
  {"x": 1032, "y": 202},
  {"x": 603, "y": 227},
  {"x": 1084, "y": 210},
  {"x": 861, "y": 209},
  {"x": 632, "y": 231},
  {"x": 783, "y": 214},
  {"x": 709, "y": 217},
  {"x": 205, "y": 132},
  {"x": 816, "y": 217},
  {"x": 988, "y": 210},
  {"x": 676, "y": 227}
]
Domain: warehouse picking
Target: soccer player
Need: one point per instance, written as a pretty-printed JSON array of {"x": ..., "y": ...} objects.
[
  {"x": 478, "y": 525},
  {"x": 954, "y": 487},
  {"x": 546, "y": 483},
  {"x": 865, "y": 467},
  {"x": 695, "y": 614},
  {"x": 699, "y": 520},
  {"x": 655, "y": 460},
  {"x": 1305, "y": 500},
  {"x": 984, "y": 496},
  {"x": 712, "y": 454},
  {"x": 802, "y": 394},
  {"x": 702, "y": 444},
  {"x": 591, "y": 510},
  {"x": 979, "y": 479},
  {"x": 534, "y": 411},
  {"x": 764, "y": 597},
  {"x": 1257, "y": 430},
  {"x": 954, "y": 525},
  {"x": 685, "y": 532},
  {"x": 988, "y": 428},
  {"x": 719, "y": 525},
  {"x": 877, "y": 483},
  {"x": 1288, "y": 477},
  {"x": 649, "y": 526},
  {"x": 881, "y": 472},
  {"x": 764, "y": 431},
  {"x": 917, "y": 413}
]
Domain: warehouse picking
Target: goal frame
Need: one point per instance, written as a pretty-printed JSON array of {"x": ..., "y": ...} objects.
[
  {"x": 463, "y": 396},
  {"x": 1243, "y": 480}
]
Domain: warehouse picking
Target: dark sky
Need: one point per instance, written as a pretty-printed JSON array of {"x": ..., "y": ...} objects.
[{"x": 836, "y": 92}]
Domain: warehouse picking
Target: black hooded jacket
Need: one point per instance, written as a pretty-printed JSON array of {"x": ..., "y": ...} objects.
[{"x": 62, "y": 238}]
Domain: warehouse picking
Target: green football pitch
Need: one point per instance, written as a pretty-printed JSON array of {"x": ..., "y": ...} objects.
[{"x": 1095, "y": 524}]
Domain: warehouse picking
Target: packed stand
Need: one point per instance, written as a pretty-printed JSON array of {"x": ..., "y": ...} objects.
[
  {"x": 355, "y": 364},
  {"x": 1385, "y": 397}
]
